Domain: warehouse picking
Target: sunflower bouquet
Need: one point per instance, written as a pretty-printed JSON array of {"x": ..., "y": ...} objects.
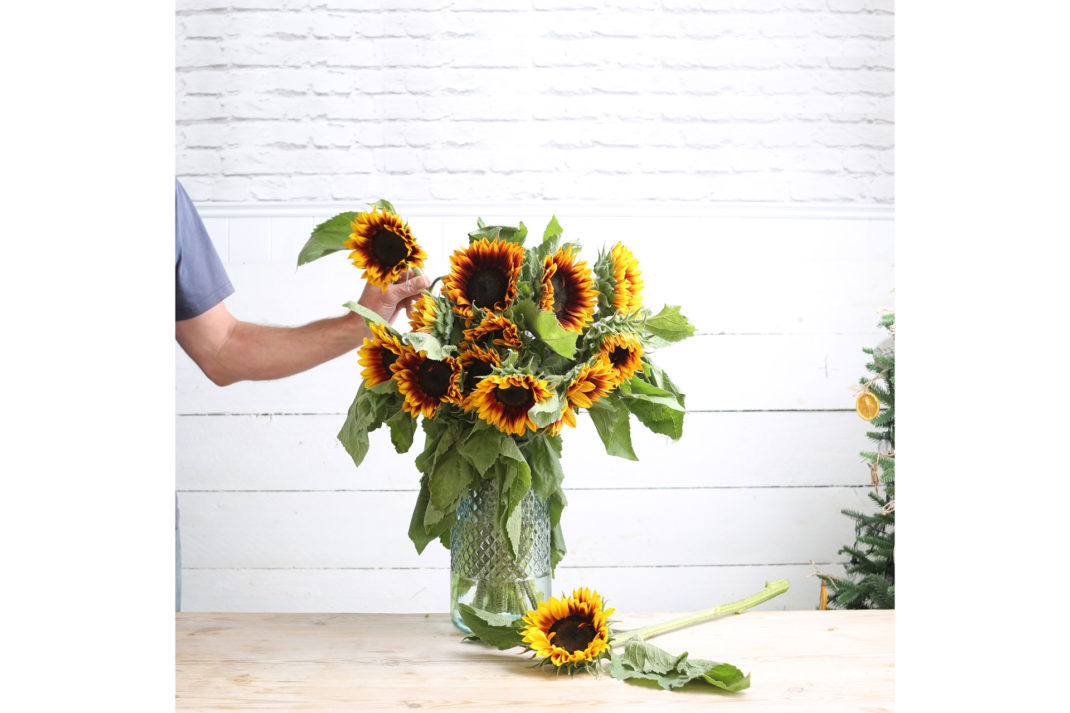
[{"x": 518, "y": 341}]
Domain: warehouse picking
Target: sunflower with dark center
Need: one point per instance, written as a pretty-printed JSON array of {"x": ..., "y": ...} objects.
[
  {"x": 627, "y": 297},
  {"x": 379, "y": 353},
  {"x": 383, "y": 246},
  {"x": 494, "y": 330},
  {"x": 623, "y": 353},
  {"x": 484, "y": 275},
  {"x": 426, "y": 383},
  {"x": 569, "y": 632},
  {"x": 423, "y": 314},
  {"x": 568, "y": 290},
  {"x": 476, "y": 362},
  {"x": 503, "y": 401},
  {"x": 592, "y": 383}
]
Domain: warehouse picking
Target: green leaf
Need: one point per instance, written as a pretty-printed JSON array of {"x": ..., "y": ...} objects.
[
  {"x": 384, "y": 204},
  {"x": 502, "y": 635},
  {"x": 367, "y": 314},
  {"x": 553, "y": 230},
  {"x": 353, "y": 437},
  {"x": 328, "y": 237},
  {"x": 366, "y": 413},
  {"x": 543, "y": 323},
  {"x": 658, "y": 417},
  {"x": 450, "y": 476},
  {"x": 640, "y": 389},
  {"x": 417, "y": 533},
  {"x": 545, "y": 462},
  {"x": 512, "y": 529},
  {"x": 670, "y": 325},
  {"x": 482, "y": 447},
  {"x": 546, "y": 412},
  {"x": 502, "y": 232},
  {"x": 424, "y": 342},
  {"x": 402, "y": 430},
  {"x": 641, "y": 660},
  {"x": 611, "y": 420}
]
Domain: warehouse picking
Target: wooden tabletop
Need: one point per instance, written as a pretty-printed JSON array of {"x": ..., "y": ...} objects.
[{"x": 798, "y": 661}]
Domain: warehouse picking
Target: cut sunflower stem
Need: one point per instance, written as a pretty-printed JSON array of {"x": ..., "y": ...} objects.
[{"x": 771, "y": 590}]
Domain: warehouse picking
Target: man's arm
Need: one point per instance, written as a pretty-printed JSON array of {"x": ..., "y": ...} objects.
[{"x": 229, "y": 350}]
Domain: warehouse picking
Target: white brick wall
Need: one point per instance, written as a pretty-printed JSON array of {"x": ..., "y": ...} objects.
[{"x": 498, "y": 100}]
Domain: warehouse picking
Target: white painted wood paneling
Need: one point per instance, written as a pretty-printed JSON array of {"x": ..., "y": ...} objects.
[
  {"x": 426, "y": 589},
  {"x": 275, "y": 517},
  {"x": 717, "y": 450},
  {"x": 609, "y": 528}
]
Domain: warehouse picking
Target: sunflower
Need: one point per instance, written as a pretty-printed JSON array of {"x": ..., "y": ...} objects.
[
  {"x": 379, "y": 353},
  {"x": 383, "y": 245},
  {"x": 477, "y": 362},
  {"x": 424, "y": 313},
  {"x": 568, "y": 290},
  {"x": 494, "y": 330},
  {"x": 592, "y": 383},
  {"x": 503, "y": 401},
  {"x": 484, "y": 275},
  {"x": 623, "y": 354},
  {"x": 627, "y": 296},
  {"x": 426, "y": 383},
  {"x": 571, "y": 631}
]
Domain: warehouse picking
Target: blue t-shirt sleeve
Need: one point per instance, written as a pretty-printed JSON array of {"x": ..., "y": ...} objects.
[{"x": 201, "y": 281}]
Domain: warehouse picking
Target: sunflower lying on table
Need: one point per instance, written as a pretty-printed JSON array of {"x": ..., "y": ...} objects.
[{"x": 574, "y": 634}]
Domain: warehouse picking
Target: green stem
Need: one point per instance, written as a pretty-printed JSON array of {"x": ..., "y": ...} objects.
[{"x": 771, "y": 590}]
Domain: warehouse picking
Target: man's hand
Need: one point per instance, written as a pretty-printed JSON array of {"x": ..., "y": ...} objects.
[{"x": 397, "y": 297}]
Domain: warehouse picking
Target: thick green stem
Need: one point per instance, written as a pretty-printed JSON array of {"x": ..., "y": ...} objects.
[{"x": 771, "y": 590}]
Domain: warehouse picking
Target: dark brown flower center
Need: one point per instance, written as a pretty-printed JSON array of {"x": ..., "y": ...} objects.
[
  {"x": 389, "y": 249},
  {"x": 474, "y": 373},
  {"x": 487, "y": 286},
  {"x": 573, "y": 633},
  {"x": 434, "y": 378},
  {"x": 515, "y": 397},
  {"x": 619, "y": 356},
  {"x": 560, "y": 293},
  {"x": 388, "y": 357}
]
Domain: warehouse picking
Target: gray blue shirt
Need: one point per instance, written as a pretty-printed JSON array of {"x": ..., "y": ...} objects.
[{"x": 201, "y": 282}]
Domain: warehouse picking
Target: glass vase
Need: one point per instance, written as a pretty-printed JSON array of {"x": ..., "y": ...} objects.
[{"x": 485, "y": 573}]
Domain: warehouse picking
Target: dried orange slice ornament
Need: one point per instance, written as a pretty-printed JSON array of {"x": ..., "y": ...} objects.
[{"x": 867, "y": 405}]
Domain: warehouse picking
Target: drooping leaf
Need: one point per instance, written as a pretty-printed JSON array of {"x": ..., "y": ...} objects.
[
  {"x": 354, "y": 438},
  {"x": 641, "y": 660},
  {"x": 658, "y": 417},
  {"x": 417, "y": 532},
  {"x": 545, "y": 462},
  {"x": 424, "y": 342},
  {"x": 402, "y": 430},
  {"x": 482, "y": 446},
  {"x": 502, "y": 634},
  {"x": 670, "y": 325},
  {"x": 326, "y": 238},
  {"x": 451, "y": 474},
  {"x": 367, "y": 314},
  {"x": 611, "y": 420}
]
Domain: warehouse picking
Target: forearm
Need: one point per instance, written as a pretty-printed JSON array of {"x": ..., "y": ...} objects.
[{"x": 255, "y": 352}]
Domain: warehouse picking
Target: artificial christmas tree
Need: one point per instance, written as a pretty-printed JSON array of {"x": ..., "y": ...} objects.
[{"x": 870, "y": 582}]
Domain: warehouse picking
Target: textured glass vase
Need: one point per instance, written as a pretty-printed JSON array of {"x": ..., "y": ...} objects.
[{"x": 485, "y": 573}]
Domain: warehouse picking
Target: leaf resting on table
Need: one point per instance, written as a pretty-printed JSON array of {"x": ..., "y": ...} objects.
[
  {"x": 644, "y": 661},
  {"x": 499, "y": 631}
]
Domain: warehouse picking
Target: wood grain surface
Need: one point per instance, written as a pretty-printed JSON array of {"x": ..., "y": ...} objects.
[{"x": 798, "y": 661}]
